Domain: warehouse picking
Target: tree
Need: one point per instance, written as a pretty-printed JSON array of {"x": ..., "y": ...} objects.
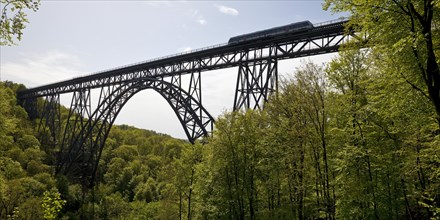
[
  {"x": 403, "y": 32},
  {"x": 236, "y": 153},
  {"x": 52, "y": 204},
  {"x": 347, "y": 74},
  {"x": 382, "y": 130},
  {"x": 312, "y": 82},
  {"x": 185, "y": 177},
  {"x": 288, "y": 152},
  {"x": 13, "y": 19},
  {"x": 405, "y": 135},
  {"x": 298, "y": 128}
]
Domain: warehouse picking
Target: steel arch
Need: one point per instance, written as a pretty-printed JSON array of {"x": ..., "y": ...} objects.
[{"x": 85, "y": 150}]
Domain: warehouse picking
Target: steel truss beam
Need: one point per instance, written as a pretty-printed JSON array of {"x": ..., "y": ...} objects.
[
  {"x": 320, "y": 40},
  {"x": 83, "y": 155}
]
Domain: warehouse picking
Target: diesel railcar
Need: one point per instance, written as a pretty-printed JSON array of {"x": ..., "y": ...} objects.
[{"x": 272, "y": 32}]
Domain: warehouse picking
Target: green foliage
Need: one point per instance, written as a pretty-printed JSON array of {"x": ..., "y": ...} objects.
[
  {"x": 235, "y": 157},
  {"x": 10, "y": 169},
  {"x": 14, "y": 18},
  {"x": 52, "y": 204},
  {"x": 405, "y": 37},
  {"x": 23, "y": 174},
  {"x": 351, "y": 140}
]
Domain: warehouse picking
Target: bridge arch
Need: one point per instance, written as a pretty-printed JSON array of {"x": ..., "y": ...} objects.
[{"x": 82, "y": 154}]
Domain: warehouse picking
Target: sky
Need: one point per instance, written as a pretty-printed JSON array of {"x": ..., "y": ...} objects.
[{"x": 67, "y": 39}]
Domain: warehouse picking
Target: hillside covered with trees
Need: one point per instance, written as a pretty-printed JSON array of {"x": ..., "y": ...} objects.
[
  {"x": 338, "y": 141},
  {"x": 357, "y": 138},
  {"x": 135, "y": 171}
]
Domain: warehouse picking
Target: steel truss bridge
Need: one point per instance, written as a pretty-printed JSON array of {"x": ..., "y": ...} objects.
[{"x": 81, "y": 138}]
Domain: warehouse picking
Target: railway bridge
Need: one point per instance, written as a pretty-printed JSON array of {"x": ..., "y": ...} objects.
[{"x": 81, "y": 139}]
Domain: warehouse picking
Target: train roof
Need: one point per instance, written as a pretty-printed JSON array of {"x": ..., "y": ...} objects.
[{"x": 302, "y": 23}]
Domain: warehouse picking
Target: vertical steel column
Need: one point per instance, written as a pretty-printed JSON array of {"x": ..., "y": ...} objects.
[
  {"x": 80, "y": 111},
  {"x": 105, "y": 116},
  {"x": 30, "y": 105},
  {"x": 95, "y": 133},
  {"x": 50, "y": 117},
  {"x": 195, "y": 86},
  {"x": 190, "y": 109},
  {"x": 257, "y": 79},
  {"x": 195, "y": 103}
]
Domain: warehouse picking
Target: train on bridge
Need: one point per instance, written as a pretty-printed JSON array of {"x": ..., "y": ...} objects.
[{"x": 272, "y": 32}]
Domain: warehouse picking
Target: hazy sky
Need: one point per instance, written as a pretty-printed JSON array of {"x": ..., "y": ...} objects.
[{"x": 66, "y": 39}]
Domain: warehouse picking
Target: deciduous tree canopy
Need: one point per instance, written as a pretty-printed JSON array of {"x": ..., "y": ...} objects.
[
  {"x": 357, "y": 138},
  {"x": 13, "y": 19},
  {"x": 406, "y": 37}
]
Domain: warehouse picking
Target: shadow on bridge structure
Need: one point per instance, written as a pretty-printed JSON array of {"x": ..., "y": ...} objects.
[{"x": 82, "y": 136}]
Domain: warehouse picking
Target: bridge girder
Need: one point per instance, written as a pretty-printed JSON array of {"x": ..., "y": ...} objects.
[{"x": 320, "y": 40}]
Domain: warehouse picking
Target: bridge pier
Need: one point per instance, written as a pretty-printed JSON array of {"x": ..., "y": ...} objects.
[
  {"x": 50, "y": 117},
  {"x": 30, "y": 104},
  {"x": 256, "y": 81},
  {"x": 195, "y": 104},
  {"x": 79, "y": 114}
]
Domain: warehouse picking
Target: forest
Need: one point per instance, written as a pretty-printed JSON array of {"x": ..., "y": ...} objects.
[{"x": 355, "y": 138}]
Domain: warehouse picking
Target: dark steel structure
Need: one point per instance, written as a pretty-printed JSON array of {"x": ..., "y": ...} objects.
[{"x": 86, "y": 129}]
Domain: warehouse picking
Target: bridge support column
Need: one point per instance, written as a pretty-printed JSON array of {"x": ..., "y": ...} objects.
[
  {"x": 30, "y": 105},
  {"x": 191, "y": 120},
  {"x": 195, "y": 103},
  {"x": 256, "y": 81},
  {"x": 50, "y": 117},
  {"x": 79, "y": 113}
]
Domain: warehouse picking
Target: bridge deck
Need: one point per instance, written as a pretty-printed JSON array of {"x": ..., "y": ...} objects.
[{"x": 323, "y": 38}]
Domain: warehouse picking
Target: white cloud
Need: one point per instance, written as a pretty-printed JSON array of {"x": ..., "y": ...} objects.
[
  {"x": 201, "y": 20},
  {"x": 195, "y": 12},
  {"x": 184, "y": 49},
  {"x": 40, "y": 69},
  {"x": 227, "y": 10}
]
